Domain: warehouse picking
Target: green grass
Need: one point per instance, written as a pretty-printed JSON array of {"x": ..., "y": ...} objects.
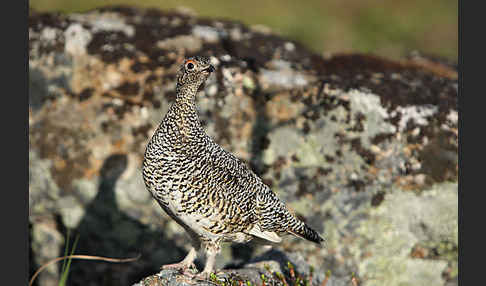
[
  {"x": 68, "y": 258},
  {"x": 67, "y": 263},
  {"x": 387, "y": 28}
]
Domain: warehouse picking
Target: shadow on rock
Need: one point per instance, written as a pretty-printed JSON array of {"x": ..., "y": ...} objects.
[
  {"x": 107, "y": 231},
  {"x": 274, "y": 255}
]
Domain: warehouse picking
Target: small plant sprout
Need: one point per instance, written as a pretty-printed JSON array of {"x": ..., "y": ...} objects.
[
  {"x": 328, "y": 275},
  {"x": 354, "y": 280},
  {"x": 213, "y": 277},
  {"x": 281, "y": 277},
  {"x": 264, "y": 279},
  {"x": 311, "y": 274},
  {"x": 291, "y": 271}
]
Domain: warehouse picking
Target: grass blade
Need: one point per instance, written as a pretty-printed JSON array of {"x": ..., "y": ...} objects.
[
  {"x": 66, "y": 249},
  {"x": 65, "y": 271},
  {"x": 84, "y": 257}
]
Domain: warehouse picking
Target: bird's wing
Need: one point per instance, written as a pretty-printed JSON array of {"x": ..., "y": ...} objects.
[
  {"x": 248, "y": 191},
  {"x": 268, "y": 235}
]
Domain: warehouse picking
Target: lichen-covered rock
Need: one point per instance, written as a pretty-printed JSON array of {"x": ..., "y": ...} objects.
[
  {"x": 403, "y": 221},
  {"x": 364, "y": 149},
  {"x": 272, "y": 268}
]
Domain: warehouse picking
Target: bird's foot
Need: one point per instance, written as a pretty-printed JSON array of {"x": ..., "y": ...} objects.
[
  {"x": 206, "y": 276},
  {"x": 202, "y": 276},
  {"x": 188, "y": 269}
]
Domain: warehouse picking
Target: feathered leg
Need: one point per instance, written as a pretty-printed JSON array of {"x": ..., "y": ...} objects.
[
  {"x": 212, "y": 249},
  {"x": 187, "y": 262}
]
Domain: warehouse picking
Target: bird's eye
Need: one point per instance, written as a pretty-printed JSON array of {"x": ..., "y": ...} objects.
[{"x": 189, "y": 65}]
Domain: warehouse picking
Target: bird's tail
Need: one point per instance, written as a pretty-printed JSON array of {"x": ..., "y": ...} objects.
[
  {"x": 275, "y": 216},
  {"x": 301, "y": 229}
]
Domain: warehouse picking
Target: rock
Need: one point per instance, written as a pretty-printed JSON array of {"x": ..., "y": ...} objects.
[
  {"x": 46, "y": 243},
  {"x": 364, "y": 149},
  {"x": 275, "y": 271},
  {"x": 402, "y": 221}
]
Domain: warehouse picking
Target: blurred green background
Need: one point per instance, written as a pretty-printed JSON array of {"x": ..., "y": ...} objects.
[{"x": 386, "y": 28}]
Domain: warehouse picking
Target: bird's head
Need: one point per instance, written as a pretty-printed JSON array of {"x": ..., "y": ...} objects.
[{"x": 194, "y": 71}]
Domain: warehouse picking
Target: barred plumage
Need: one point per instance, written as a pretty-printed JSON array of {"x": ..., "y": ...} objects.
[{"x": 207, "y": 190}]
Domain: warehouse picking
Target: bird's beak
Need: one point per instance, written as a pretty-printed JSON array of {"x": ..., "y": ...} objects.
[{"x": 210, "y": 69}]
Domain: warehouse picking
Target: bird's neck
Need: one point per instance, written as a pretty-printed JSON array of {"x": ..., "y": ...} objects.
[
  {"x": 186, "y": 94},
  {"x": 183, "y": 113}
]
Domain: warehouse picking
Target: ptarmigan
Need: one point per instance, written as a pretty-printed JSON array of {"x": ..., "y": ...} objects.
[{"x": 208, "y": 191}]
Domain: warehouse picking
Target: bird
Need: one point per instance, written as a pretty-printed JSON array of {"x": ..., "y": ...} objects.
[{"x": 207, "y": 190}]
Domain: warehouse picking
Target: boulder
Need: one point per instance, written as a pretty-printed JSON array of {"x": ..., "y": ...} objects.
[{"x": 362, "y": 148}]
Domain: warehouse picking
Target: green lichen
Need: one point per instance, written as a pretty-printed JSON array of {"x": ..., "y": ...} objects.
[{"x": 400, "y": 222}]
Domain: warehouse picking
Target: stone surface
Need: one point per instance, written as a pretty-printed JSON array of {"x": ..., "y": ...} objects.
[{"x": 364, "y": 149}]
